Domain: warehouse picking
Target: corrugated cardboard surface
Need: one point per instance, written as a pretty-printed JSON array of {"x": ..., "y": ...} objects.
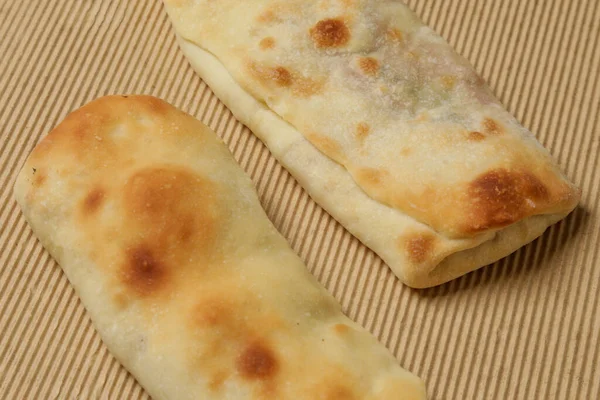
[{"x": 527, "y": 327}]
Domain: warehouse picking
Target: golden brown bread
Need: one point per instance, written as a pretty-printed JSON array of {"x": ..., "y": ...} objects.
[
  {"x": 186, "y": 280},
  {"x": 390, "y": 116}
]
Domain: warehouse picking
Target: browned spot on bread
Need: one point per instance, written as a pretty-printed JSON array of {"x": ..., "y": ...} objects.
[
  {"x": 368, "y": 65},
  {"x": 533, "y": 187},
  {"x": 280, "y": 76},
  {"x": 341, "y": 329},
  {"x": 82, "y": 128},
  {"x": 93, "y": 201},
  {"x": 257, "y": 361},
  {"x": 339, "y": 392},
  {"x": 501, "y": 197},
  {"x": 143, "y": 272},
  {"x": 328, "y": 146},
  {"x": 267, "y": 16},
  {"x": 39, "y": 178},
  {"x": 419, "y": 247},
  {"x": 476, "y": 136},
  {"x": 217, "y": 379},
  {"x": 121, "y": 300},
  {"x": 81, "y": 137},
  {"x": 394, "y": 34},
  {"x": 234, "y": 327},
  {"x": 332, "y": 385},
  {"x": 406, "y": 151},
  {"x": 267, "y": 43},
  {"x": 305, "y": 87},
  {"x": 229, "y": 313},
  {"x": 362, "y": 131},
  {"x": 174, "y": 216},
  {"x": 217, "y": 312},
  {"x": 372, "y": 176},
  {"x": 330, "y": 33},
  {"x": 283, "y": 77},
  {"x": 174, "y": 207},
  {"x": 492, "y": 127}
]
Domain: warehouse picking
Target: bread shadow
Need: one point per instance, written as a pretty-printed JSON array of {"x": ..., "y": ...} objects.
[{"x": 523, "y": 262}]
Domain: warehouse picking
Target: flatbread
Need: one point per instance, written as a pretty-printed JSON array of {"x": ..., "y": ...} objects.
[
  {"x": 386, "y": 127},
  {"x": 189, "y": 284}
]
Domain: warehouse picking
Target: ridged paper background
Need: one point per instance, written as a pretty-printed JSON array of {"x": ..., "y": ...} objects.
[{"x": 527, "y": 327}]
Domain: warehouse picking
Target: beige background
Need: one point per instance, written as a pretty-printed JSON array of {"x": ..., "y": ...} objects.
[{"x": 527, "y": 327}]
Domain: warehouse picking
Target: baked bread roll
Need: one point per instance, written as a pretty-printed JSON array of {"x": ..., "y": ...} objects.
[
  {"x": 384, "y": 125},
  {"x": 188, "y": 283}
]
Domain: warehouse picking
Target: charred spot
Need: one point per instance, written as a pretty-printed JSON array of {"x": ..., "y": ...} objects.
[
  {"x": 330, "y": 33},
  {"x": 476, "y": 136},
  {"x": 267, "y": 43},
  {"x": 491, "y": 127},
  {"x": 257, "y": 361},
  {"x": 368, "y": 65},
  {"x": 501, "y": 197},
  {"x": 362, "y": 131},
  {"x": 143, "y": 272},
  {"x": 93, "y": 201},
  {"x": 419, "y": 247}
]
